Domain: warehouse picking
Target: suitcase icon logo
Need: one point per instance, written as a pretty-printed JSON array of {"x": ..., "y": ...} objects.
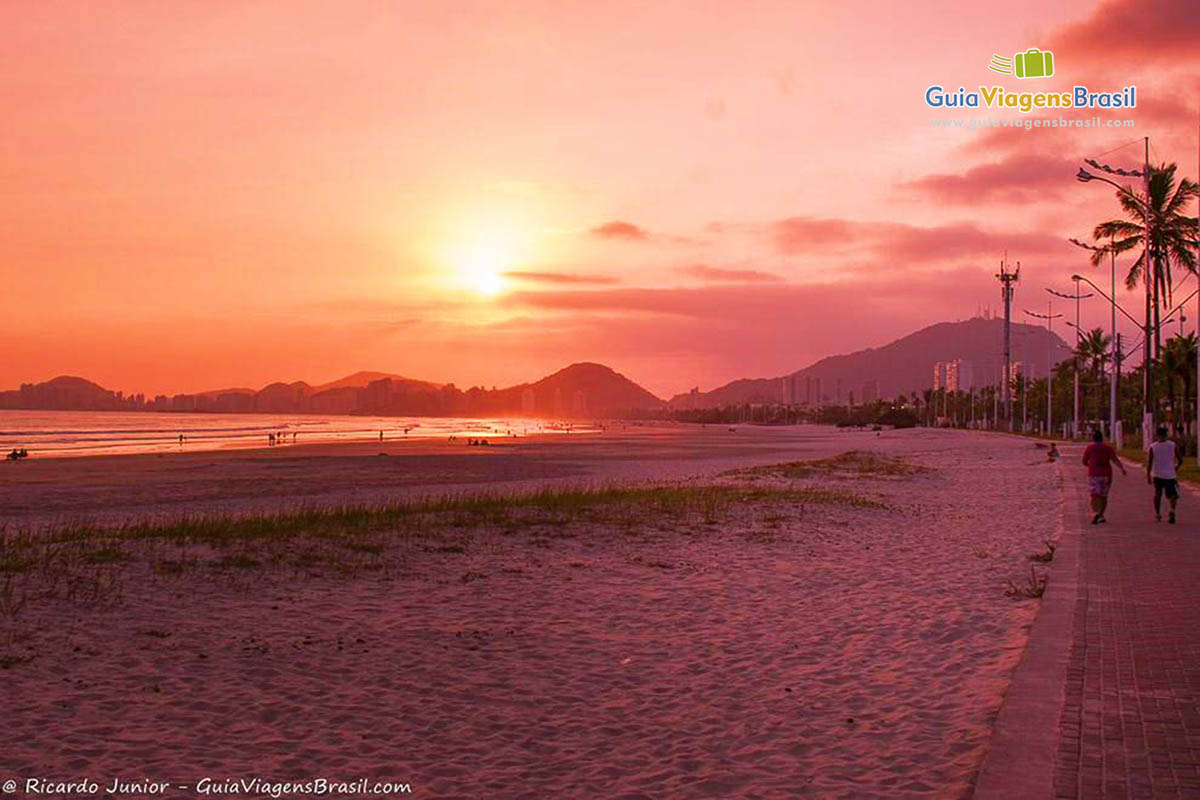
[{"x": 1033, "y": 63}]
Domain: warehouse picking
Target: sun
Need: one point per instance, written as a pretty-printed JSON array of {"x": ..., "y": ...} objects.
[
  {"x": 480, "y": 251},
  {"x": 479, "y": 263},
  {"x": 482, "y": 268}
]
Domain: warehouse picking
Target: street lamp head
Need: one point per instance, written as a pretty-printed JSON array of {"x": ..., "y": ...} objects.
[
  {"x": 1083, "y": 176},
  {"x": 1076, "y": 278}
]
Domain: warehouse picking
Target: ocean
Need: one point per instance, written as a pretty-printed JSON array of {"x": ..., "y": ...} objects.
[{"x": 84, "y": 433}]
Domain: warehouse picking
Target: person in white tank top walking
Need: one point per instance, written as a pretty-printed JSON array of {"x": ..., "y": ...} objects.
[{"x": 1162, "y": 460}]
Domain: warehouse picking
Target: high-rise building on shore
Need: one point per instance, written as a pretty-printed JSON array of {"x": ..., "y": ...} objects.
[{"x": 953, "y": 376}]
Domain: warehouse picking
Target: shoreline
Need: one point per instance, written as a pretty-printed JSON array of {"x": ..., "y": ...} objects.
[{"x": 87, "y": 438}]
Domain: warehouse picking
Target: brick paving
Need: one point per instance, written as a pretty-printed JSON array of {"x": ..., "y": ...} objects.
[{"x": 1130, "y": 720}]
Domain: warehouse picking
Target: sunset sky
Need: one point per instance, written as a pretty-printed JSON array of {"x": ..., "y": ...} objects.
[{"x": 207, "y": 194}]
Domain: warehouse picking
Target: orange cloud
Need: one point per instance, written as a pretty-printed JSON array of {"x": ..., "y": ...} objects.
[{"x": 559, "y": 277}]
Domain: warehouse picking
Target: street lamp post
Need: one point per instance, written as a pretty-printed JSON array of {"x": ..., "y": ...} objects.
[
  {"x": 1075, "y": 399},
  {"x": 1112, "y": 298},
  {"x": 1049, "y": 316},
  {"x": 1083, "y": 176}
]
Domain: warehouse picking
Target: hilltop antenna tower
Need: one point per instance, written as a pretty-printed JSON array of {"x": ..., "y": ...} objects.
[{"x": 1007, "y": 279}]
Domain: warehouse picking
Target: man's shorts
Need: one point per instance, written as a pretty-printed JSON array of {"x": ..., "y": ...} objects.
[
  {"x": 1098, "y": 485},
  {"x": 1168, "y": 485}
]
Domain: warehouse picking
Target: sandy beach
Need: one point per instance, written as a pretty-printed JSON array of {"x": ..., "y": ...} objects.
[
  {"x": 715, "y": 626},
  {"x": 115, "y": 489}
]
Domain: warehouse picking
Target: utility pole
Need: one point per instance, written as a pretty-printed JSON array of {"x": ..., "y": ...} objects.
[
  {"x": 1024, "y": 395},
  {"x": 1117, "y": 434},
  {"x": 1007, "y": 279},
  {"x": 1115, "y": 425},
  {"x": 996, "y": 407},
  {"x": 1078, "y": 336},
  {"x": 1149, "y": 276},
  {"x": 1049, "y": 316}
]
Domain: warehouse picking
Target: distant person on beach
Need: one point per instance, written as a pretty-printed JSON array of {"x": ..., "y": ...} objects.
[
  {"x": 1052, "y": 454},
  {"x": 1099, "y": 457},
  {"x": 1163, "y": 459}
]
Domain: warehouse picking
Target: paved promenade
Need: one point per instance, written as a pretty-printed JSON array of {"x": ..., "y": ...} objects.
[{"x": 1106, "y": 702}]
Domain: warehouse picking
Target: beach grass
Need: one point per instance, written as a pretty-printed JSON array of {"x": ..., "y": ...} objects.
[
  {"x": 429, "y": 514},
  {"x": 83, "y": 562},
  {"x": 852, "y": 463}
]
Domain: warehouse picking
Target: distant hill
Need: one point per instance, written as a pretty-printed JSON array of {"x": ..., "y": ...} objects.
[
  {"x": 580, "y": 390},
  {"x": 583, "y": 389},
  {"x": 359, "y": 380},
  {"x": 901, "y": 367},
  {"x": 70, "y": 383}
]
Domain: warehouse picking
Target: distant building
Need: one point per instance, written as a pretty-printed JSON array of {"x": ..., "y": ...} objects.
[
  {"x": 954, "y": 376},
  {"x": 376, "y": 396},
  {"x": 528, "y": 403},
  {"x": 790, "y": 390},
  {"x": 959, "y": 376}
]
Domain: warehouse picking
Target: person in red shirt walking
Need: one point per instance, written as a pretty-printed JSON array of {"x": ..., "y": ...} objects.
[{"x": 1099, "y": 457}]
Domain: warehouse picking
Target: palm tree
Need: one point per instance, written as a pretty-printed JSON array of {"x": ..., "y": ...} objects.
[
  {"x": 1171, "y": 241},
  {"x": 1179, "y": 362},
  {"x": 1094, "y": 351}
]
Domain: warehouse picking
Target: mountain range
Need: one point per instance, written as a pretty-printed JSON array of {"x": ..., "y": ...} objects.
[
  {"x": 901, "y": 367},
  {"x": 580, "y": 390},
  {"x": 594, "y": 390}
]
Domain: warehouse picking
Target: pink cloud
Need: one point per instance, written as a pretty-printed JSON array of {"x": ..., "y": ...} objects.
[
  {"x": 902, "y": 244},
  {"x": 1142, "y": 30},
  {"x": 718, "y": 275},
  {"x": 769, "y": 305},
  {"x": 618, "y": 229},
  {"x": 909, "y": 245},
  {"x": 1018, "y": 178},
  {"x": 805, "y": 234}
]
